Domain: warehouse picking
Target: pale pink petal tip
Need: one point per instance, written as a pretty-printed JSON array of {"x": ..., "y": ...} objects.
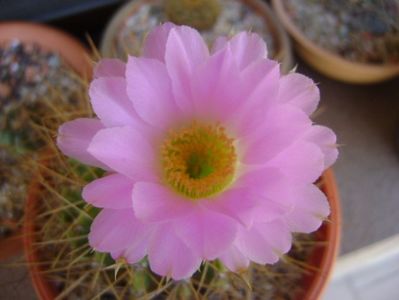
[
  {"x": 311, "y": 210},
  {"x": 113, "y": 191},
  {"x": 234, "y": 260},
  {"x": 150, "y": 91},
  {"x": 169, "y": 256},
  {"x": 118, "y": 231},
  {"x": 155, "y": 43},
  {"x": 74, "y": 138},
  {"x": 208, "y": 234},
  {"x": 326, "y": 139},
  {"x": 264, "y": 243},
  {"x": 110, "y": 102},
  {"x": 247, "y": 47},
  {"x": 299, "y": 91}
]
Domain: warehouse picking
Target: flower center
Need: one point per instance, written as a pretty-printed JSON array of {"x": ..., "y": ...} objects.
[{"x": 198, "y": 160}]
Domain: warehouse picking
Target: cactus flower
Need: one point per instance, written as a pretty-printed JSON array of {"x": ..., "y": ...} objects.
[{"x": 210, "y": 154}]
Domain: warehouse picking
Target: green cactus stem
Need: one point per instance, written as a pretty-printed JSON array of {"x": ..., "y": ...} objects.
[{"x": 200, "y": 14}]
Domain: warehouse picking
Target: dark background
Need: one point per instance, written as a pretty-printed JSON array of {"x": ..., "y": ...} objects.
[{"x": 78, "y": 17}]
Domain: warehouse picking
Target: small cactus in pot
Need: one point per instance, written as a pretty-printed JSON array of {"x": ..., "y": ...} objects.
[{"x": 200, "y": 14}]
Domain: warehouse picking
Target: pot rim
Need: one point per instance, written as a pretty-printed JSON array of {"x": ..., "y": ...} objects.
[
  {"x": 302, "y": 39},
  {"x": 51, "y": 39}
]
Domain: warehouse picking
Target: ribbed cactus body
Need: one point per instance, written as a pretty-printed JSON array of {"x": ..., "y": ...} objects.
[{"x": 200, "y": 14}]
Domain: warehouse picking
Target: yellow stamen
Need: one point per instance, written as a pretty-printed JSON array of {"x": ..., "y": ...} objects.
[{"x": 198, "y": 160}]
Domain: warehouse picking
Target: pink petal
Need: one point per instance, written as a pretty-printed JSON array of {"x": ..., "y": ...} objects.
[
  {"x": 260, "y": 179},
  {"x": 155, "y": 203},
  {"x": 124, "y": 150},
  {"x": 302, "y": 162},
  {"x": 311, "y": 208},
  {"x": 273, "y": 193},
  {"x": 299, "y": 91},
  {"x": 109, "y": 67},
  {"x": 136, "y": 253},
  {"x": 133, "y": 254},
  {"x": 207, "y": 233},
  {"x": 270, "y": 183},
  {"x": 270, "y": 210},
  {"x": 281, "y": 126},
  {"x": 74, "y": 138},
  {"x": 111, "y": 103},
  {"x": 185, "y": 51},
  {"x": 260, "y": 85},
  {"x": 137, "y": 249},
  {"x": 150, "y": 90},
  {"x": 114, "y": 230},
  {"x": 247, "y": 47},
  {"x": 264, "y": 243},
  {"x": 238, "y": 203},
  {"x": 234, "y": 260},
  {"x": 326, "y": 139},
  {"x": 113, "y": 191},
  {"x": 213, "y": 98},
  {"x": 169, "y": 256},
  {"x": 155, "y": 43},
  {"x": 302, "y": 206}
]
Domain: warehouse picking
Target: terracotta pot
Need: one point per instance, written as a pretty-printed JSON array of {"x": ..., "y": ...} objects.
[
  {"x": 11, "y": 245},
  {"x": 74, "y": 54},
  {"x": 70, "y": 49},
  {"x": 329, "y": 63},
  {"x": 313, "y": 284},
  {"x": 44, "y": 289},
  {"x": 324, "y": 257},
  {"x": 280, "y": 38}
]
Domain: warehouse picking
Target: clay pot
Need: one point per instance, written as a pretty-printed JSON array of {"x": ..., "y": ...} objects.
[
  {"x": 44, "y": 289},
  {"x": 281, "y": 41},
  {"x": 313, "y": 284},
  {"x": 324, "y": 258},
  {"x": 329, "y": 63},
  {"x": 50, "y": 39},
  {"x": 11, "y": 245}
]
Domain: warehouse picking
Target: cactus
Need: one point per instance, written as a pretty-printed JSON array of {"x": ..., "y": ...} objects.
[
  {"x": 78, "y": 272},
  {"x": 14, "y": 179},
  {"x": 25, "y": 105},
  {"x": 200, "y": 14},
  {"x": 62, "y": 221}
]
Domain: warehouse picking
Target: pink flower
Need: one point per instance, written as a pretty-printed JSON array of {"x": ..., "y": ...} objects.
[{"x": 211, "y": 154}]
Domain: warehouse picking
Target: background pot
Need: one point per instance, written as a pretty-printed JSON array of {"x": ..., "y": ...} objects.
[
  {"x": 51, "y": 39},
  {"x": 282, "y": 43},
  {"x": 74, "y": 55},
  {"x": 313, "y": 284},
  {"x": 331, "y": 64}
]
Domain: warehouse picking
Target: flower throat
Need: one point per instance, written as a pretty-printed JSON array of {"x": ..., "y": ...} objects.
[{"x": 198, "y": 160}]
